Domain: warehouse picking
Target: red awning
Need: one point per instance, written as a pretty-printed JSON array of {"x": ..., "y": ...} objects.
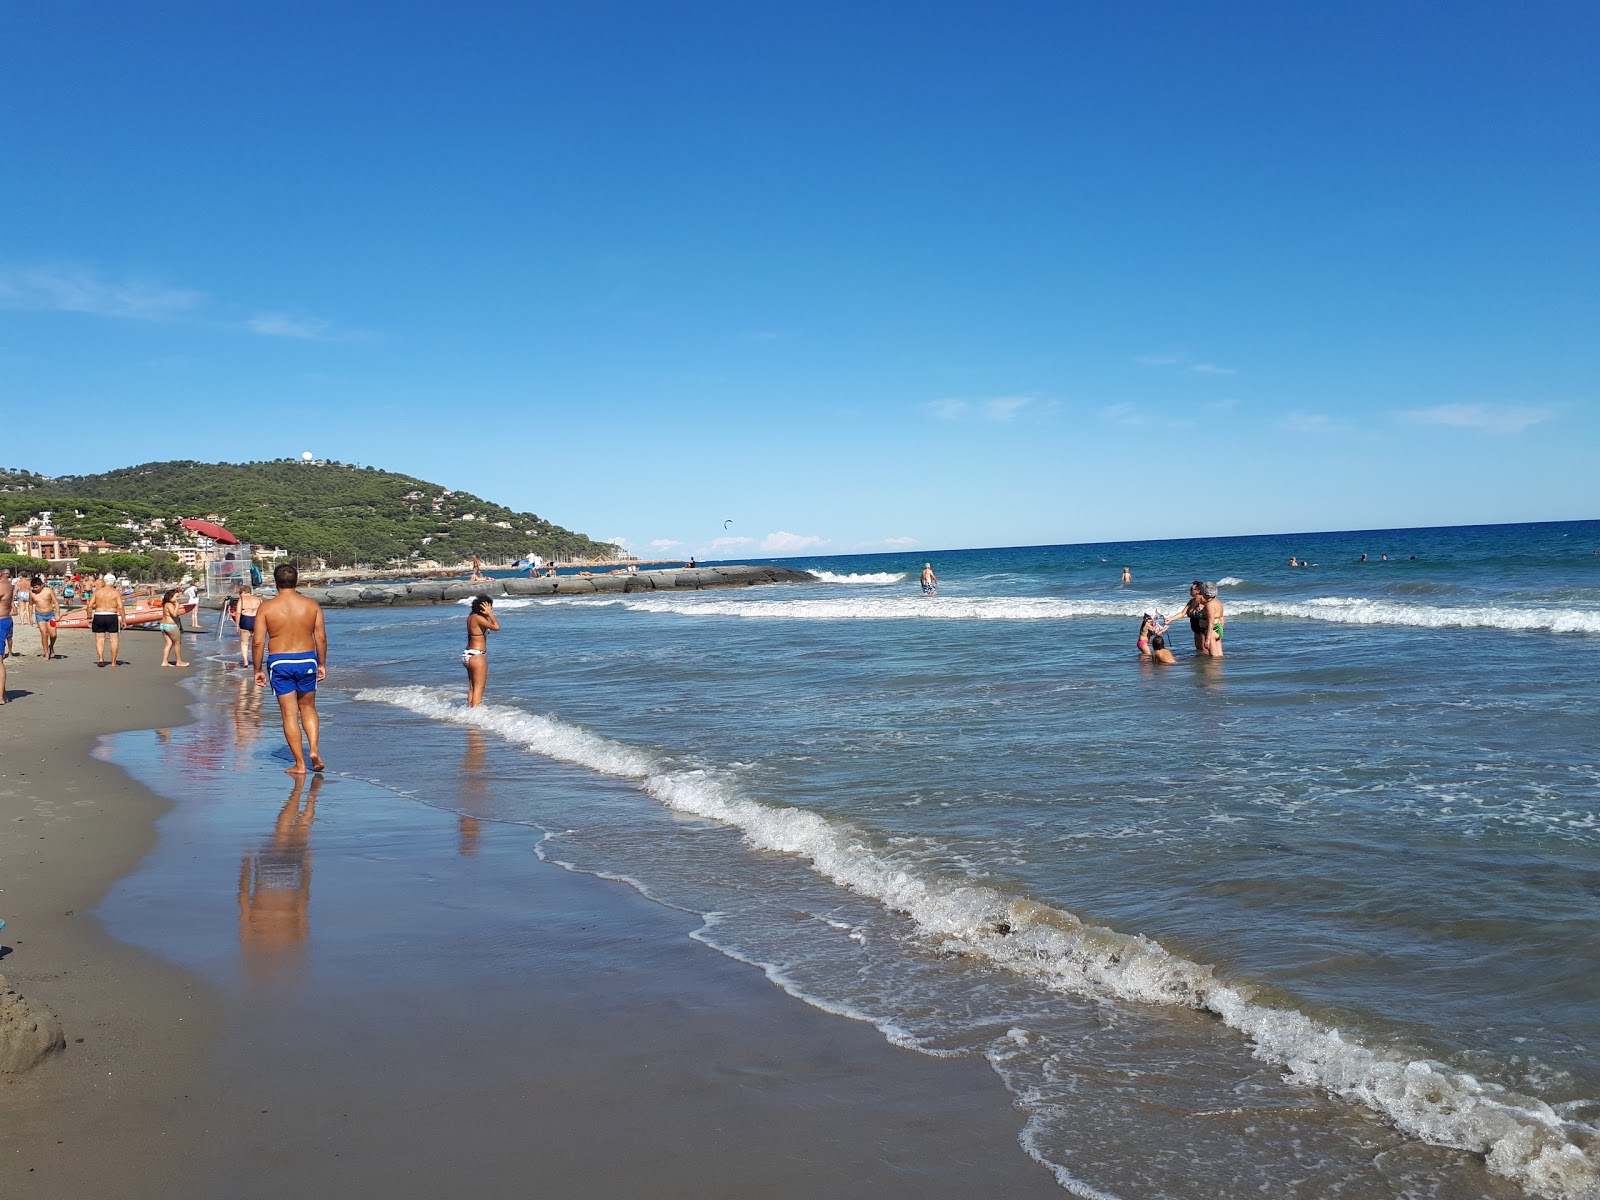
[{"x": 211, "y": 530}]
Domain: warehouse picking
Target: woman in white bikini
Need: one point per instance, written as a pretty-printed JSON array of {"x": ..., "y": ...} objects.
[{"x": 480, "y": 622}]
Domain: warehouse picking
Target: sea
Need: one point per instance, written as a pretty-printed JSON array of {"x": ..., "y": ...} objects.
[{"x": 1317, "y": 919}]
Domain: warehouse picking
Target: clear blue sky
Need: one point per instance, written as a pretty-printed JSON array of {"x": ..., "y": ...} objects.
[{"x": 947, "y": 274}]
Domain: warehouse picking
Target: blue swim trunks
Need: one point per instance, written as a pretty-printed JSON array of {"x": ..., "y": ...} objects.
[
  {"x": 295, "y": 671},
  {"x": 5, "y": 631}
]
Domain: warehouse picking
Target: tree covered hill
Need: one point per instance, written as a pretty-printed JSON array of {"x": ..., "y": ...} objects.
[{"x": 330, "y": 510}]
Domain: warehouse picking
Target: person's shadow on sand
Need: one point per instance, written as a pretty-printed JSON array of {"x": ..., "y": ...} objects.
[{"x": 14, "y": 694}]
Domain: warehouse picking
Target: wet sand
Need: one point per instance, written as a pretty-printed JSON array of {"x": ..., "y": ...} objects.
[
  {"x": 119, "y": 1110},
  {"x": 368, "y": 991}
]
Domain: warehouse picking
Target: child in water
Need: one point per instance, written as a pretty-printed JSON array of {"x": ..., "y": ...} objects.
[{"x": 1153, "y": 626}]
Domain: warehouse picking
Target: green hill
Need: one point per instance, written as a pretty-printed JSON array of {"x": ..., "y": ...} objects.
[{"x": 347, "y": 515}]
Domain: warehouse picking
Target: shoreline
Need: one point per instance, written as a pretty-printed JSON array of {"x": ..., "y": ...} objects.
[
  {"x": 542, "y": 1020},
  {"x": 118, "y": 1110}
]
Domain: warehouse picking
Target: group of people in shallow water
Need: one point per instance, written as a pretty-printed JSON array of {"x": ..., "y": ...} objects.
[{"x": 1206, "y": 620}]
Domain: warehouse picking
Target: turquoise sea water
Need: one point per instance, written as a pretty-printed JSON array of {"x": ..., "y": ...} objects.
[{"x": 1318, "y": 919}]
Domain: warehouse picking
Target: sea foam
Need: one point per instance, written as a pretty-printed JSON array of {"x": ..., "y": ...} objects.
[
  {"x": 1519, "y": 1136},
  {"x": 1353, "y": 610},
  {"x": 862, "y": 577}
]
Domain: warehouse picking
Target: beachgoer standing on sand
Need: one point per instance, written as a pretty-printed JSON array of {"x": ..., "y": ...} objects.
[
  {"x": 191, "y": 603},
  {"x": 7, "y": 591},
  {"x": 1195, "y": 610},
  {"x": 293, "y": 625},
  {"x": 106, "y": 614},
  {"x": 930, "y": 581},
  {"x": 172, "y": 629},
  {"x": 480, "y": 623},
  {"x": 1127, "y": 575},
  {"x": 21, "y": 600},
  {"x": 1214, "y": 614},
  {"x": 245, "y": 608},
  {"x": 46, "y": 611}
]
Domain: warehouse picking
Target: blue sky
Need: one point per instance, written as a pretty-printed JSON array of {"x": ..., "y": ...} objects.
[{"x": 853, "y": 276}]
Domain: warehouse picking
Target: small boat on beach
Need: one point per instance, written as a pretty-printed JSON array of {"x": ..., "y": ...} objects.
[{"x": 134, "y": 614}]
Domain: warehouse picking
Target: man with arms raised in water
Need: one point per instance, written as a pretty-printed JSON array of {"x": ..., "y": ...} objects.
[
  {"x": 299, "y": 660},
  {"x": 106, "y": 614}
]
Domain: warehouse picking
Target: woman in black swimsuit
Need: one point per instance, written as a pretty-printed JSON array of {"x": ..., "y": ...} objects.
[{"x": 1199, "y": 622}]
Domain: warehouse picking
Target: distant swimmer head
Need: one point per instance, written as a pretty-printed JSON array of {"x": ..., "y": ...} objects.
[{"x": 1208, "y": 590}]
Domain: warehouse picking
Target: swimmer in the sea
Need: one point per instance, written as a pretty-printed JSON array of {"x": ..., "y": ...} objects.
[
  {"x": 1159, "y": 651},
  {"x": 930, "y": 581},
  {"x": 1127, "y": 575}
]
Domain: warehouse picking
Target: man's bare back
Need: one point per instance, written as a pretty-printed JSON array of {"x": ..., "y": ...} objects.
[
  {"x": 106, "y": 598},
  {"x": 298, "y": 661},
  {"x": 291, "y": 622}
]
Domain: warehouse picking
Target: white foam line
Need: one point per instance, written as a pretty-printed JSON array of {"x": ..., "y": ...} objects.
[
  {"x": 1353, "y": 610},
  {"x": 1520, "y": 1137},
  {"x": 864, "y": 577}
]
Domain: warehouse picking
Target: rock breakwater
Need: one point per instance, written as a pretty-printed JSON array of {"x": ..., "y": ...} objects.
[{"x": 432, "y": 591}]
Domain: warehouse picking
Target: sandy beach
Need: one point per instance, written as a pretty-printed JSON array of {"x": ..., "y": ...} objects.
[
  {"x": 117, "y": 1112},
  {"x": 305, "y": 990}
]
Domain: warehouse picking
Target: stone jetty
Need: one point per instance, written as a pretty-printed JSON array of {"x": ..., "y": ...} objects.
[{"x": 434, "y": 591}]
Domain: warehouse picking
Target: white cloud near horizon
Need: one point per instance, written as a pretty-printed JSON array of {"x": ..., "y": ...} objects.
[
  {"x": 791, "y": 543},
  {"x": 730, "y": 543},
  {"x": 45, "y": 290},
  {"x": 1503, "y": 420},
  {"x": 664, "y": 543},
  {"x": 74, "y": 290},
  {"x": 999, "y": 409},
  {"x": 1311, "y": 423},
  {"x": 1183, "y": 362},
  {"x": 274, "y": 324},
  {"x": 900, "y": 542},
  {"x": 1131, "y": 416}
]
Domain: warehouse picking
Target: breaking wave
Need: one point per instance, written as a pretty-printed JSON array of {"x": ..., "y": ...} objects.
[
  {"x": 863, "y": 577},
  {"x": 1519, "y": 1136},
  {"x": 1338, "y": 610}
]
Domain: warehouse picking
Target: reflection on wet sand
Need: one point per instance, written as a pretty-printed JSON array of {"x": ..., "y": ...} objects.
[
  {"x": 275, "y": 890},
  {"x": 246, "y": 712},
  {"x": 474, "y": 792}
]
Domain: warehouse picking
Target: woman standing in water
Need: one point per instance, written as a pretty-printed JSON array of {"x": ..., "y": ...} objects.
[
  {"x": 480, "y": 623},
  {"x": 1195, "y": 610},
  {"x": 1213, "y": 615}
]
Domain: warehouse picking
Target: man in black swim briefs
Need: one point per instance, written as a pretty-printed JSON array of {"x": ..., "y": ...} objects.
[{"x": 106, "y": 613}]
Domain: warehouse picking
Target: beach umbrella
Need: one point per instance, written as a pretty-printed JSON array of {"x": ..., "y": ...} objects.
[{"x": 211, "y": 530}]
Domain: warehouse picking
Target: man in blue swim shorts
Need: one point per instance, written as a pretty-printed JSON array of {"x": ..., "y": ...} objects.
[{"x": 291, "y": 626}]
